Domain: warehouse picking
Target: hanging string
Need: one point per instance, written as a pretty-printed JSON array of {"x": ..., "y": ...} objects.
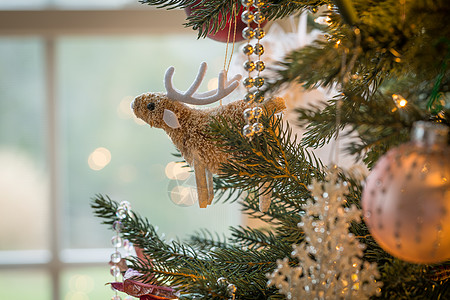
[
  {"x": 226, "y": 66},
  {"x": 345, "y": 68}
]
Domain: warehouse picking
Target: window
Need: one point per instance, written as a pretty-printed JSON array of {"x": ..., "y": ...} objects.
[{"x": 66, "y": 80}]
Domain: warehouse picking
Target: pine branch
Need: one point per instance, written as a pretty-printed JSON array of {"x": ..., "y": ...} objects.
[
  {"x": 206, "y": 16},
  {"x": 272, "y": 157},
  {"x": 192, "y": 272},
  {"x": 204, "y": 240}
]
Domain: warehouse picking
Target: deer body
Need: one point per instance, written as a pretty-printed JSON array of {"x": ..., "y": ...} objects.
[{"x": 187, "y": 126}]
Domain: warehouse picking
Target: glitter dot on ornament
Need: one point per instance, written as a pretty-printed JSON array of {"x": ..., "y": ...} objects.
[{"x": 405, "y": 199}]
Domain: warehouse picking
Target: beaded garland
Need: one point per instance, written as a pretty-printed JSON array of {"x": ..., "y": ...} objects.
[
  {"x": 117, "y": 242},
  {"x": 254, "y": 95}
]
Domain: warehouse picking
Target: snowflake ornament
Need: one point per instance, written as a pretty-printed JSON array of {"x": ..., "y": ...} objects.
[{"x": 330, "y": 264}]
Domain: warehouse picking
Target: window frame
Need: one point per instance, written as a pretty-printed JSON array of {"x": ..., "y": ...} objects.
[{"x": 50, "y": 24}]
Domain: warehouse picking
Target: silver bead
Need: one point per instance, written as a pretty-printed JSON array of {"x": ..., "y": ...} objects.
[
  {"x": 260, "y": 33},
  {"x": 115, "y": 270},
  {"x": 260, "y": 66},
  {"x": 116, "y": 241},
  {"x": 259, "y": 49},
  {"x": 248, "y": 33},
  {"x": 116, "y": 257},
  {"x": 259, "y": 17},
  {"x": 258, "y": 81},
  {"x": 247, "y": 49},
  {"x": 249, "y": 114},
  {"x": 249, "y": 98},
  {"x": 247, "y": 17},
  {"x": 313, "y": 9},
  {"x": 259, "y": 3},
  {"x": 248, "y": 82},
  {"x": 222, "y": 280},
  {"x": 126, "y": 205},
  {"x": 258, "y": 128},
  {"x": 117, "y": 226},
  {"x": 121, "y": 213},
  {"x": 247, "y": 2},
  {"x": 257, "y": 112},
  {"x": 258, "y": 96},
  {"x": 247, "y": 131},
  {"x": 231, "y": 289},
  {"x": 249, "y": 66}
]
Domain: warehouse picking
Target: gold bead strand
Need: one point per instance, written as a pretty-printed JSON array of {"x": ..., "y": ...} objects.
[
  {"x": 259, "y": 65},
  {"x": 248, "y": 33},
  {"x": 254, "y": 94}
]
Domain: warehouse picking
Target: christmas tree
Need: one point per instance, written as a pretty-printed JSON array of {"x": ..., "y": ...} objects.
[{"x": 389, "y": 64}]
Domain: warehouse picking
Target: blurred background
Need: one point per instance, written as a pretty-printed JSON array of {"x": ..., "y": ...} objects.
[{"x": 68, "y": 72}]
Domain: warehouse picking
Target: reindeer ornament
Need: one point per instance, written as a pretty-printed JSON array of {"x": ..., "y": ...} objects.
[{"x": 187, "y": 126}]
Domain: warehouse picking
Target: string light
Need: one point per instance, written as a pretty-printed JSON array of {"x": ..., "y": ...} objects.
[{"x": 399, "y": 101}]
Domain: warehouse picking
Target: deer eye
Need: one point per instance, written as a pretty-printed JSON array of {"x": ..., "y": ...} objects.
[{"x": 151, "y": 106}]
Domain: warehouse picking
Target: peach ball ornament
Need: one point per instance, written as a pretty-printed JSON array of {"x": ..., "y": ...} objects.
[{"x": 406, "y": 198}]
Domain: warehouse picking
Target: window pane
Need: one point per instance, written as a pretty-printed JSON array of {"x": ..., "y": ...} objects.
[
  {"x": 98, "y": 77},
  {"x": 23, "y": 4},
  {"x": 76, "y": 4},
  {"x": 23, "y": 174},
  {"x": 25, "y": 284},
  {"x": 86, "y": 283},
  {"x": 94, "y": 3}
]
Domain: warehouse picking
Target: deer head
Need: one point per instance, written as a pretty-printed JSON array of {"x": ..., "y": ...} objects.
[{"x": 158, "y": 109}]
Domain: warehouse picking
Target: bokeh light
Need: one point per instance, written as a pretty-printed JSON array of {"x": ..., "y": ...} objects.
[
  {"x": 177, "y": 170},
  {"x": 99, "y": 158}
]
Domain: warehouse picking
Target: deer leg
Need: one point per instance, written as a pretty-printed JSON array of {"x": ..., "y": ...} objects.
[
  {"x": 200, "y": 180},
  {"x": 265, "y": 198},
  {"x": 210, "y": 183}
]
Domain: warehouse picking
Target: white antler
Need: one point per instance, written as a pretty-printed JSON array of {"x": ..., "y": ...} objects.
[{"x": 224, "y": 88}]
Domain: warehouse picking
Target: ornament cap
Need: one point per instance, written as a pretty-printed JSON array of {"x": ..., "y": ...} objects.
[{"x": 429, "y": 134}]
